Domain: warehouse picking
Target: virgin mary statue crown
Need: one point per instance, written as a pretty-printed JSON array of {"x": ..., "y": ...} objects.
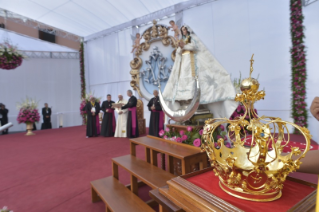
[{"x": 256, "y": 172}]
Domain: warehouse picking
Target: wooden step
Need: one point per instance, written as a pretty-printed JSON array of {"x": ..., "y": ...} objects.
[
  {"x": 116, "y": 196},
  {"x": 140, "y": 169}
]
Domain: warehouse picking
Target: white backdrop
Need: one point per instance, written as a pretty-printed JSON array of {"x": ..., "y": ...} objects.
[
  {"x": 52, "y": 81},
  {"x": 232, "y": 30}
]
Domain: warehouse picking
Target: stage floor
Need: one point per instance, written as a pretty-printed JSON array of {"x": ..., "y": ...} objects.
[{"x": 52, "y": 170}]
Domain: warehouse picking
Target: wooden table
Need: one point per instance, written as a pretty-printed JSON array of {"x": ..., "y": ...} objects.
[
  {"x": 189, "y": 155},
  {"x": 189, "y": 195}
]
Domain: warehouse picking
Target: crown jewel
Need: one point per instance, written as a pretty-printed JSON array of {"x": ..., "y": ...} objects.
[{"x": 256, "y": 172}]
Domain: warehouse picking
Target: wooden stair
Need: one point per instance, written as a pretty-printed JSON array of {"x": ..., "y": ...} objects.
[
  {"x": 140, "y": 169},
  {"x": 116, "y": 196}
]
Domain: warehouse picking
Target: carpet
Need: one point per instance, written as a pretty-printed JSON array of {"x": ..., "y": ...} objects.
[{"x": 52, "y": 170}]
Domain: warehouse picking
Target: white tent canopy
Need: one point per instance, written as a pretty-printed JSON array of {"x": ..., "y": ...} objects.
[
  {"x": 26, "y": 43},
  {"x": 83, "y": 17}
]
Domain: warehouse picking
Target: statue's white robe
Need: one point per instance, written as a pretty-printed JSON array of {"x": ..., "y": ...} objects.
[{"x": 217, "y": 90}]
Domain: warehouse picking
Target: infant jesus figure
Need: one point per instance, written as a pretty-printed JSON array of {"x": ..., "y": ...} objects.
[
  {"x": 175, "y": 29},
  {"x": 136, "y": 42}
]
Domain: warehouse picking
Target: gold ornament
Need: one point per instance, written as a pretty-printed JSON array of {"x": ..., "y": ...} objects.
[
  {"x": 152, "y": 34},
  {"x": 257, "y": 172}
]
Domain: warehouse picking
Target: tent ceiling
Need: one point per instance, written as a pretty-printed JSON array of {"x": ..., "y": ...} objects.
[{"x": 85, "y": 17}]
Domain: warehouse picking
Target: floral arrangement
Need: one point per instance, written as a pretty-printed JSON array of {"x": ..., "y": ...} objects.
[
  {"x": 298, "y": 63},
  {"x": 5, "y": 209},
  {"x": 83, "y": 87},
  {"x": 191, "y": 136},
  {"x": 87, "y": 98},
  {"x": 240, "y": 111},
  {"x": 10, "y": 58},
  {"x": 28, "y": 112}
]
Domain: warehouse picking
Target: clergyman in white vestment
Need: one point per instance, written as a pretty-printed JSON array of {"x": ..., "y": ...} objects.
[{"x": 120, "y": 130}]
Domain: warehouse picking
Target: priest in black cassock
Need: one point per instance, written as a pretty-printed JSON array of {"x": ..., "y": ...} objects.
[
  {"x": 46, "y": 114},
  {"x": 157, "y": 115},
  {"x": 108, "y": 123},
  {"x": 132, "y": 125},
  {"x": 4, "y": 117},
  {"x": 92, "y": 111}
]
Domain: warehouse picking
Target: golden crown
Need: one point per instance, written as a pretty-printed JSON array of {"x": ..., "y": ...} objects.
[{"x": 256, "y": 172}]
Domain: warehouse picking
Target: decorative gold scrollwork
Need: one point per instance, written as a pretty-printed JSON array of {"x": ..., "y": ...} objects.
[
  {"x": 136, "y": 63},
  {"x": 150, "y": 35}
]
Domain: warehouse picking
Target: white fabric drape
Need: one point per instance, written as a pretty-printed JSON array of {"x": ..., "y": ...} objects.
[{"x": 52, "y": 81}]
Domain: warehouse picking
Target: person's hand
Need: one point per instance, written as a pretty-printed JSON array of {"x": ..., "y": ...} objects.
[
  {"x": 47, "y": 116},
  {"x": 106, "y": 110},
  {"x": 314, "y": 108},
  {"x": 93, "y": 114},
  {"x": 153, "y": 108},
  {"x": 120, "y": 112}
]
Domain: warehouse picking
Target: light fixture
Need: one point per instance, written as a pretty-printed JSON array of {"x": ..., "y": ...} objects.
[{"x": 136, "y": 27}]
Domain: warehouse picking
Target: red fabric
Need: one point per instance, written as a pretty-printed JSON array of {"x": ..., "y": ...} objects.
[
  {"x": 288, "y": 147},
  {"x": 133, "y": 117},
  {"x": 292, "y": 193}
]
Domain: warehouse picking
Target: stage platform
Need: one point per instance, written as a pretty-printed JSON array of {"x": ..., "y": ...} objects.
[{"x": 52, "y": 170}]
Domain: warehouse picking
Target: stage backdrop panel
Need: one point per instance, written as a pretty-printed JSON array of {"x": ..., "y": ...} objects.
[
  {"x": 232, "y": 30},
  {"x": 52, "y": 81}
]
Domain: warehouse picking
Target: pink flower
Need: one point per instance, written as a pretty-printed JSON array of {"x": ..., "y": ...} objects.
[
  {"x": 179, "y": 140},
  {"x": 216, "y": 145},
  {"x": 238, "y": 108},
  {"x": 167, "y": 129},
  {"x": 181, "y": 132},
  {"x": 184, "y": 137},
  {"x": 201, "y": 132},
  {"x": 196, "y": 142},
  {"x": 161, "y": 133},
  {"x": 165, "y": 137},
  {"x": 222, "y": 128},
  {"x": 173, "y": 138},
  {"x": 218, "y": 137},
  {"x": 228, "y": 145},
  {"x": 189, "y": 128}
]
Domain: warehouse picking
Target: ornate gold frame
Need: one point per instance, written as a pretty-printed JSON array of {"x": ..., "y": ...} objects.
[{"x": 150, "y": 35}]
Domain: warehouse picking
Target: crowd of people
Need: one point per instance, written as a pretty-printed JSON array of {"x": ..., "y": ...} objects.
[{"x": 127, "y": 121}]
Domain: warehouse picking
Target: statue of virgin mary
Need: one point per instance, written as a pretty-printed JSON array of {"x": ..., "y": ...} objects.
[{"x": 194, "y": 62}]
